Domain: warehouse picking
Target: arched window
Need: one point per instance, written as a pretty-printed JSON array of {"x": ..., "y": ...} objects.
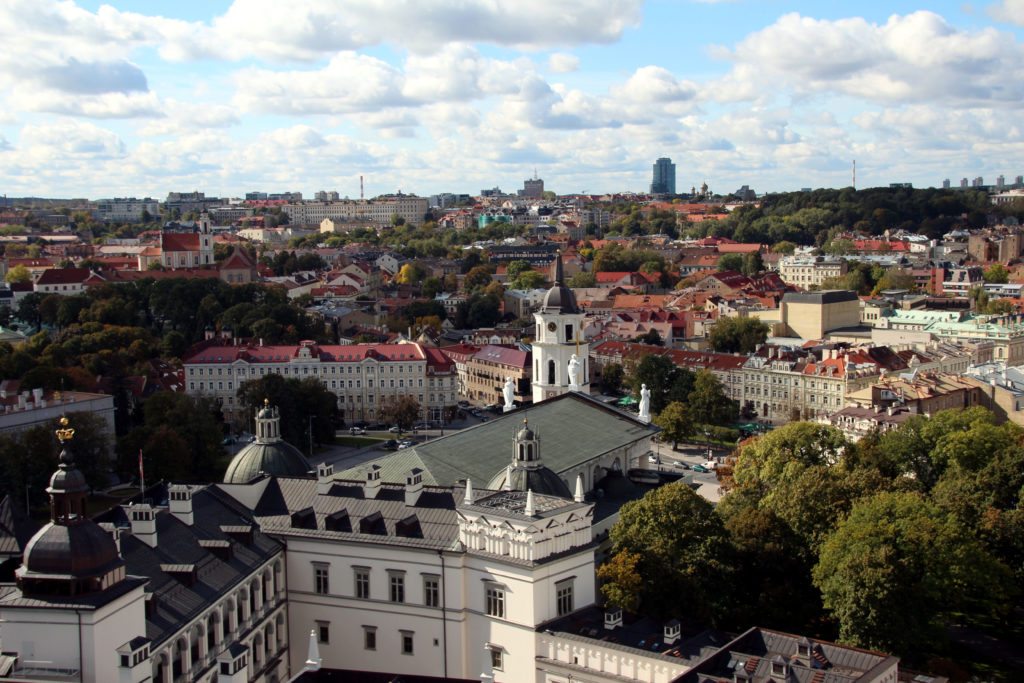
[{"x": 551, "y": 372}]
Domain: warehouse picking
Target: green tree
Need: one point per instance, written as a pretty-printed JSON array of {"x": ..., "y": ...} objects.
[
  {"x": 742, "y": 335},
  {"x": 622, "y": 585},
  {"x": 410, "y": 274},
  {"x": 517, "y": 268},
  {"x": 783, "y": 452},
  {"x": 650, "y": 337},
  {"x": 996, "y": 274},
  {"x": 431, "y": 287},
  {"x": 582, "y": 279},
  {"x": 403, "y": 411},
  {"x": 297, "y": 400},
  {"x": 784, "y": 247},
  {"x": 665, "y": 381},
  {"x": 18, "y": 273},
  {"x": 529, "y": 279},
  {"x": 730, "y": 262},
  {"x": 708, "y": 403},
  {"x": 676, "y": 423},
  {"x": 684, "y": 554},
  {"x": 477, "y": 278},
  {"x": 180, "y": 438},
  {"x": 894, "y": 566},
  {"x": 752, "y": 264},
  {"x": 611, "y": 378}
]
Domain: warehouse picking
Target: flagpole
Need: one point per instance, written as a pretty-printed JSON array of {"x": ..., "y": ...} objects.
[{"x": 142, "y": 477}]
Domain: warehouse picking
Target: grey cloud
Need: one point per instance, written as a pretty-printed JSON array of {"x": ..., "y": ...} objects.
[{"x": 94, "y": 78}]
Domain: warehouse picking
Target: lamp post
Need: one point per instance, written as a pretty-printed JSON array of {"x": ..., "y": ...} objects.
[{"x": 311, "y": 418}]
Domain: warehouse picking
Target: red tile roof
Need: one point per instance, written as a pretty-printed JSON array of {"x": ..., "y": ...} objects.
[
  {"x": 223, "y": 353},
  {"x": 63, "y": 276},
  {"x": 179, "y": 241}
]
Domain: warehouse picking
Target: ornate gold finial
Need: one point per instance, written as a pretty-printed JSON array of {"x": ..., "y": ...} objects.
[
  {"x": 526, "y": 422},
  {"x": 266, "y": 402},
  {"x": 65, "y": 433}
]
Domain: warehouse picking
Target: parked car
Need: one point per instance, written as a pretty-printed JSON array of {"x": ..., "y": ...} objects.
[
  {"x": 390, "y": 445},
  {"x": 424, "y": 425},
  {"x": 356, "y": 431},
  {"x": 710, "y": 465},
  {"x": 680, "y": 465},
  {"x": 395, "y": 430},
  {"x": 654, "y": 459},
  {"x": 700, "y": 468}
]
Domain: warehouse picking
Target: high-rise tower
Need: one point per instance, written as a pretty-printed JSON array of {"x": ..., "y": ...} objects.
[{"x": 663, "y": 181}]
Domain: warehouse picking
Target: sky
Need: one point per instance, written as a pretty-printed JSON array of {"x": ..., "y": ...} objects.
[{"x": 141, "y": 98}]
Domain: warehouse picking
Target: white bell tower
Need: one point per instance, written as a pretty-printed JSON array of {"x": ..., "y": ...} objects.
[{"x": 559, "y": 336}]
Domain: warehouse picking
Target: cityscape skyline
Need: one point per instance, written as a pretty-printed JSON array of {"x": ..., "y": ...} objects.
[{"x": 105, "y": 100}]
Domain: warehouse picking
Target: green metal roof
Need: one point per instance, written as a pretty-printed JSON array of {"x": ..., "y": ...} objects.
[{"x": 572, "y": 429}]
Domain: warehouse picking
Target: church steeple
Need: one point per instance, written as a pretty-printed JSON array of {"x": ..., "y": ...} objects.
[{"x": 559, "y": 336}]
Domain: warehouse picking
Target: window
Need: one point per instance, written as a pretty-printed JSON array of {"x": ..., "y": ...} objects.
[
  {"x": 407, "y": 643},
  {"x": 495, "y": 601},
  {"x": 431, "y": 591},
  {"x": 323, "y": 631},
  {"x": 563, "y": 592},
  {"x": 321, "y": 579},
  {"x": 369, "y": 637},
  {"x": 496, "y": 658},
  {"x": 362, "y": 575},
  {"x": 396, "y": 581}
]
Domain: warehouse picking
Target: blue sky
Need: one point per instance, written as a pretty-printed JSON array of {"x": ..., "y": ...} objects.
[{"x": 141, "y": 98}]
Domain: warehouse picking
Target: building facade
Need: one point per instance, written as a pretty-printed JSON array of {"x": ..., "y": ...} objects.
[
  {"x": 810, "y": 271},
  {"x": 364, "y": 377},
  {"x": 663, "y": 177}
]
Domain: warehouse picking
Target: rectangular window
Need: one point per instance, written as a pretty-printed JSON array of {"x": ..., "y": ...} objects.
[
  {"x": 323, "y": 631},
  {"x": 362, "y": 583},
  {"x": 407, "y": 642},
  {"x": 321, "y": 579},
  {"x": 495, "y": 601},
  {"x": 369, "y": 637},
  {"x": 396, "y": 581},
  {"x": 431, "y": 591},
  {"x": 496, "y": 659},
  {"x": 564, "y": 597}
]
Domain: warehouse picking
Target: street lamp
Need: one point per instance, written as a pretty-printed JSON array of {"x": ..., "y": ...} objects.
[{"x": 311, "y": 418}]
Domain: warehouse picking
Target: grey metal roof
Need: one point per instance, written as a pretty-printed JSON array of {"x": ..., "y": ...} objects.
[
  {"x": 277, "y": 457},
  {"x": 829, "y": 296},
  {"x": 175, "y": 603},
  {"x": 572, "y": 428}
]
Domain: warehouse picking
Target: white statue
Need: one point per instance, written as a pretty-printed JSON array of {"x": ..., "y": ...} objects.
[
  {"x": 645, "y": 403},
  {"x": 509, "y": 392},
  {"x": 574, "y": 373}
]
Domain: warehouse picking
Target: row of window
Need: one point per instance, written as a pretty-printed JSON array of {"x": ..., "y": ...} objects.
[
  {"x": 325, "y": 369},
  {"x": 494, "y": 594}
]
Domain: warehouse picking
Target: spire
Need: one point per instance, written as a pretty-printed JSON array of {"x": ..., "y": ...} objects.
[
  {"x": 579, "y": 489},
  {"x": 558, "y": 277},
  {"x": 507, "y": 486},
  {"x": 313, "y": 660},
  {"x": 468, "y": 499},
  {"x": 529, "y": 510}
]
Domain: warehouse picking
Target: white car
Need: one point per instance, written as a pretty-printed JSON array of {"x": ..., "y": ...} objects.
[{"x": 710, "y": 464}]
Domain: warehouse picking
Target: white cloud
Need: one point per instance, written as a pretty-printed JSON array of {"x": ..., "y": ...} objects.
[
  {"x": 563, "y": 63},
  {"x": 111, "y": 105},
  {"x": 913, "y": 58},
  {"x": 655, "y": 84},
  {"x": 1010, "y": 11},
  {"x": 69, "y": 140}
]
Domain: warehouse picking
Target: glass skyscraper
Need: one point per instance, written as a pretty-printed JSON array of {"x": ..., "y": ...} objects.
[{"x": 664, "y": 179}]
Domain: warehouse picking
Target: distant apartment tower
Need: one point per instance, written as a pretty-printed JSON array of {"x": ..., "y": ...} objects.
[
  {"x": 963, "y": 183},
  {"x": 326, "y": 196},
  {"x": 978, "y": 182},
  {"x": 1000, "y": 182},
  {"x": 945, "y": 184},
  {"x": 533, "y": 188},
  {"x": 664, "y": 179}
]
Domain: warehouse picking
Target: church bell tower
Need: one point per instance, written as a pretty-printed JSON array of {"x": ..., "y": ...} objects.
[{"x": 559, "y": 336}]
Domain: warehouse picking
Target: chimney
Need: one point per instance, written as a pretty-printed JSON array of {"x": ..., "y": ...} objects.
[
  {"x": 143, "y": 520},
  {"x": 671, "y": 632},
  {"x": 612, "y": 618},
  {"x": 37, "y": 397},
  {"x": 413, "y": 486},
  {"x": 181, "y": 502},
  {"x": 324, "y": 478},
  {"x": 803, "y": 651},
  {"x": 371, "y": 487}
]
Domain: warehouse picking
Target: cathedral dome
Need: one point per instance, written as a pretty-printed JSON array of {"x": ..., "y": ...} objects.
[
  {"x": 539, "y": 480},
  {"x": 278, "y": 457}
]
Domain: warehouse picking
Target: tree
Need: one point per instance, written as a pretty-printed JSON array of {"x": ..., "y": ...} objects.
[
  {"x": 743, "y": 335},
  {"x": 683, "y": 550},
  {"x": 784, "y": 247},
  {"x": 730, "y": 262},
  {"x": 477, "y": 278},
  {"x": 18, "y": 273},
  {"x": 409, "y": 274},
  {"x": 752, "y": 264},
  {"x": 403, "y": 411},
  {"x": 621, "y": 582},
  {"x": 783, "y": 452},
  {"x": 582, "y": 279},
  {"x": 895, "y": 278},
  {"x": 517, "y": 268},
  {"x": 650, "y": 337},
  {"x": 611, "y": 378},
  {"x": 297, "y": 400},
  {"x": 529, "y": 279},
  {"x": 665, "y": 381},
  {"x": 708, "y": 403},
  {"x": 894, "y": 566},
  {"x": 180, "y": 438},
  {"x": 676, "y": 423},
  {"x": 431, "y": 287},
  {"x": 996, "y": 274}
]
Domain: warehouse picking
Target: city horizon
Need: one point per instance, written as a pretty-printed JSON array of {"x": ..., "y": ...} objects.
[{"x": 104, "y": 100}]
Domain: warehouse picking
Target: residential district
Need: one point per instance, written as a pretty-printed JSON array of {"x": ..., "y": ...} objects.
[{"x": 653, "y": 437}]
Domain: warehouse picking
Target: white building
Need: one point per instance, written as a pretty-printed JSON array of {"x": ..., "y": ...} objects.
[
  {"x": 808, "y": 271},
  {"x": 364, "y": 377},
  {"x": 378, "y": 211},
  {"x": 125, "y": 210},
  {"x": 27, "y": 409}
]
